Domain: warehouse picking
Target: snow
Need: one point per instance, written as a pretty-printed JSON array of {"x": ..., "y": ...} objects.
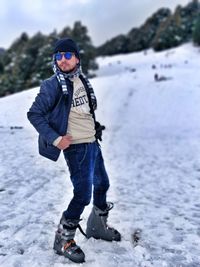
[{"x": 151, "y": 150}]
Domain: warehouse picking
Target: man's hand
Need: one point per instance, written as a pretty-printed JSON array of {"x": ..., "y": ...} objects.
[{"x": 64, "y": 142}]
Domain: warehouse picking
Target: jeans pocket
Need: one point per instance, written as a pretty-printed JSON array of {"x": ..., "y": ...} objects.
[{"x": 75, "y": 157}]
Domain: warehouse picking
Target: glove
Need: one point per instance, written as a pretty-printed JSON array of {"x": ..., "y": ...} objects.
[{"x": 99, "y": 128}]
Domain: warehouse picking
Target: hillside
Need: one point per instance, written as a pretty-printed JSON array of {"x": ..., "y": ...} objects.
[{"x": 151, "y": 148}]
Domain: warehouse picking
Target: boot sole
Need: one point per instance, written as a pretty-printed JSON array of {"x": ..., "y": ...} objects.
[
  {"x": 69, "y": 257},
  {"x": 100, "y": 238}
]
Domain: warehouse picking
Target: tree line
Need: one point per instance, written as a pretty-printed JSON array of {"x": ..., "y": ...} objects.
[
  {"x": 163, "y": 30},
  {"x": 28, "y": 60}
]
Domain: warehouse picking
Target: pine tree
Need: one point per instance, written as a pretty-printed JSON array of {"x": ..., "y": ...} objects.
[
  {"x": 196, "y": 32},
  {"x": 79, "y": 33},
  {"x": 178, "y": 28}
]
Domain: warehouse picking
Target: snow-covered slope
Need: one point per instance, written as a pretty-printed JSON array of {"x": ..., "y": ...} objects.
[{"x": 151, "y": 148}]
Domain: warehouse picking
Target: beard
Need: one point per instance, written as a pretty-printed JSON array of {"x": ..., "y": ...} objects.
[{"x": 64, "y": 67}]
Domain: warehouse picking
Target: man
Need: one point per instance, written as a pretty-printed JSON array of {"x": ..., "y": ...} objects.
[{"x": 63, "y": 114}]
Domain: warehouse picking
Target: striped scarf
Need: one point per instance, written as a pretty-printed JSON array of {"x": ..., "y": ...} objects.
[{"x": 61, "y": 76}]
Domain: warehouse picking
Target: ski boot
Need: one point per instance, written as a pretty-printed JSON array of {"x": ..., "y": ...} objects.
[
  {"x": 97, "y": 225},
  {"x": 64, "y": 243}
]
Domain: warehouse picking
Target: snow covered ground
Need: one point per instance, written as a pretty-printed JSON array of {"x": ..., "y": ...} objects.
[{"x": 152, "y": 153}]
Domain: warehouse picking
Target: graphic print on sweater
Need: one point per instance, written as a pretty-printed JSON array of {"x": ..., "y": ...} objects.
[{"x": 80, "y": 100}]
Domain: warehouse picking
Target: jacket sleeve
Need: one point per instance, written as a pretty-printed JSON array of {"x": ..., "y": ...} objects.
[{"x": 37, "y": 114}]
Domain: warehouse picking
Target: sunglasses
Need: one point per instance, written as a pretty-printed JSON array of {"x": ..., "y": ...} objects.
[{"x": 67, "y": 55}]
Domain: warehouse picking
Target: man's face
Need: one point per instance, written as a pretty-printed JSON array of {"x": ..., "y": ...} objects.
[{"x": 67, "y": 65}]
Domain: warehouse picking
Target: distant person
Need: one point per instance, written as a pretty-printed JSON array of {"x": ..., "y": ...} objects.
[
  {"x": 156, "y": 78},
  {"x": 63, "y": 114},
  {"x": 161, "y": 78}
]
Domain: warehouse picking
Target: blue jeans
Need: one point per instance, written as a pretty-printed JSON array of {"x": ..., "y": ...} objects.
[{"x": 86, "y": 167}]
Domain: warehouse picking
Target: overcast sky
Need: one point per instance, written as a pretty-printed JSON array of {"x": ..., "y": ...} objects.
[{"x": 103, "y": 18}]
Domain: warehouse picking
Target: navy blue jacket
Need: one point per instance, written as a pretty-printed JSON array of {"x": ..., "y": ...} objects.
[{"x": 49, "y": 114}]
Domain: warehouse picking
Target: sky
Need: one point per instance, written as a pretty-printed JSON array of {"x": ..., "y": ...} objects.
[{"x": 104, "y": 19}]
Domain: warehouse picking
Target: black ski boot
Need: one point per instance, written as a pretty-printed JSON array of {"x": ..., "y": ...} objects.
[
  {"x": 64, "y": 243},
  {"x": 97, "y": 225}
]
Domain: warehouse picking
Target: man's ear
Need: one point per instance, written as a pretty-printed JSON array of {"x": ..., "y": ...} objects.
[{"x": 77, "y": 60}]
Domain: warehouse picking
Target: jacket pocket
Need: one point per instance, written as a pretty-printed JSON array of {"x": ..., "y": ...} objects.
[{"x": 48, "y": 151}]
